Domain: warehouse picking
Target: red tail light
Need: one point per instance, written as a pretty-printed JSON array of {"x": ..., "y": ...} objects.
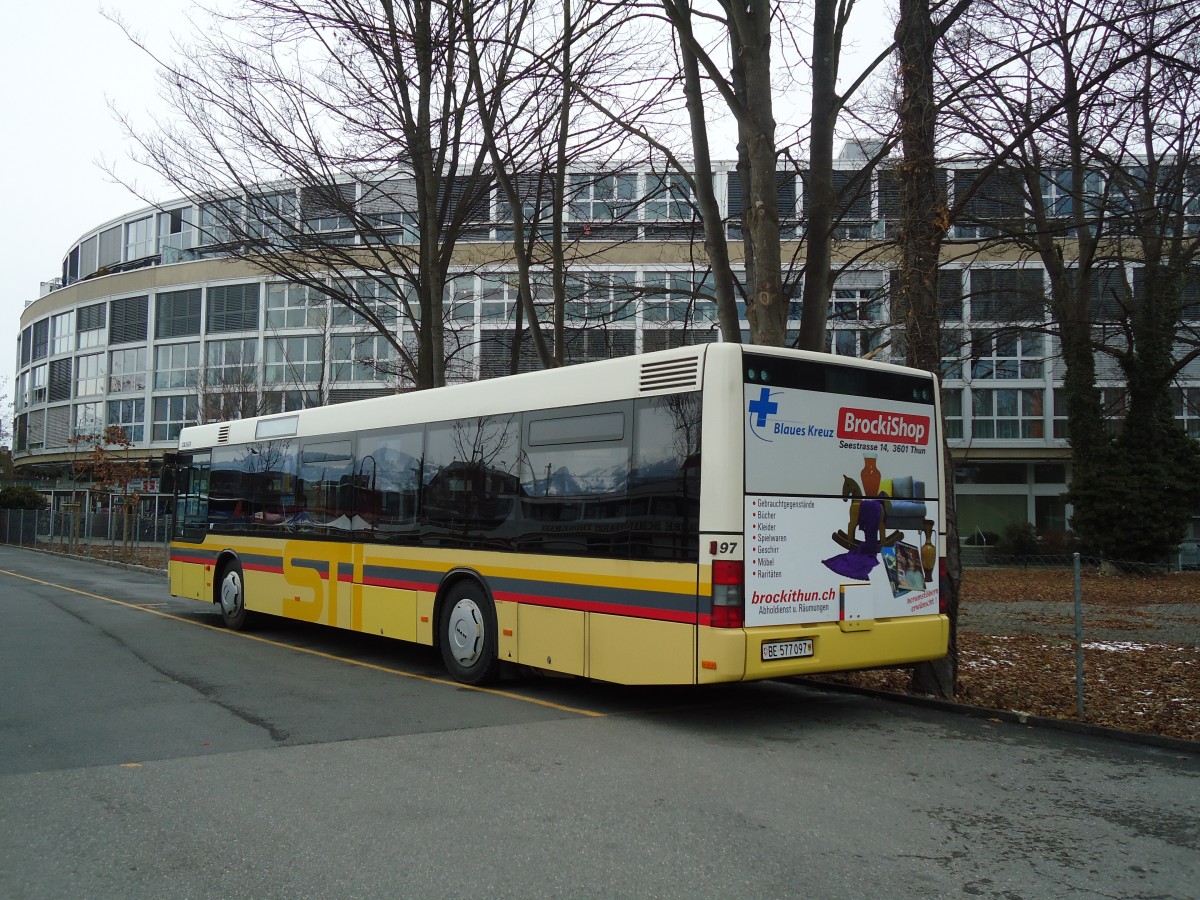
[{"x": 728, "y": 595}]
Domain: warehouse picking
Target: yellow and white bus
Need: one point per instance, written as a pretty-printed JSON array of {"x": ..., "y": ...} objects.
[{"x": 707, "y": 514}]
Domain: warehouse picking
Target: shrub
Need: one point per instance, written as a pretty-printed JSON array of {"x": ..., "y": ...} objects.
[
  {"x": 1019, "y": 539},
  {"x": 20, "y": 496}
]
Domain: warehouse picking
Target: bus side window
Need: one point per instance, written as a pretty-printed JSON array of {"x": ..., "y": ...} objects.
[
  {"x": 388, "y": 481},
  {"x": 191, "y": 492},
  {"x": 574, "y": 478},
  {"x": 470, "y": 475},
  {"x": 664, "y": 492}
]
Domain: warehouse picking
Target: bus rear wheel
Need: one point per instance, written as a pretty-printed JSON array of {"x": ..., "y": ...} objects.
[
  {"x": 468, "y": 634},
  {"x": 231, "y": 597}
]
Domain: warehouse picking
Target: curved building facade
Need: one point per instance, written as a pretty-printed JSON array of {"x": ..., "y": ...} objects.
[{"x": 154, "y": 325}]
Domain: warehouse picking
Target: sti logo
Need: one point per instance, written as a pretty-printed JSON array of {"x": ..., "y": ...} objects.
[{"x": 759, "y": 412}]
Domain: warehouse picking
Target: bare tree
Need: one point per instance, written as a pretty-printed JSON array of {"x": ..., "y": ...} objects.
[
  {"x": 355, "y": 113},
  {"x": 1089, "y": 115}
]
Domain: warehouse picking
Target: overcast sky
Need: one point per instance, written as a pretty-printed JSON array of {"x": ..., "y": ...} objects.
[{"x": 61, "y": 65}]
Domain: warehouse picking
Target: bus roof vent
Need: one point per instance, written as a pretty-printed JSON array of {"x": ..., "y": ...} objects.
[
  {"x": 223, "y": 434},
  {"x": 671, "y": 374}
]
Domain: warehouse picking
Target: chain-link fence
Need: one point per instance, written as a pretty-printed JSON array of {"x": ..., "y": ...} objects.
[
  {"x": 1118, "y": 647},
  {"x": 1185, "y": 559},
  {"x": 106, "y": 533}
]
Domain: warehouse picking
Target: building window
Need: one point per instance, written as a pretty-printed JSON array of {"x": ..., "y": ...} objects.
[
  {"x": 362, "y": 357},
  {"x": 90, "y": 324},
  {"x": 497, "y": 297},
  {"x": 294, "y": 306},
  {"x": 110, "y": 247},
  {"x": 271, "y": 218},
  {"x": 328, "y": 207},
  {"x": 176, "y": 231},
  {"x": 678, "y": 298},
  {"x": 857, "y": 303},
  {"x": 128, "y": 320},
  {"x": 388, "y": 209},
  {"x": 130, "y": 415},
  {"x": 284, "y": 401},
  {"x": 858, "y": 342},
  {"x": 61, "y": 334},
  {"x": 231, "y": 363},
  {"x": 232, "y": 307},
  {"x": 1008, "y": 413},
  {"x": 996, "y": 203},
  {"x": 221, "y": 221},
  {"x": 1186, "y": 403},
  {"x": 171, "y": 415},
  {"x": 1007, "y": 354},
  {"x": 607, "y": 297},
  {"x": 382, "y": 299},
  {"x": 459, "y": 303},
  {"x": 602, "y": 198},
  {"x": 177, "y": 313},
  {"x": 670, "y": 199},
  {"x": 58, "y": 426},
  {"x": 127, "y": 370},
  {"x": 1114, "y": 403},
  {"x": 952, "y": 412},
  {"x": 1007, "y": 295},
  {"x": 294, "y": 360},
  {"x": 89, "y": 419},
  {"x": 1060, "y": 414},
  {"x": 37, "y": 390},
  {"x": 953, "y": 341},
  {"x": 41, "y": 339},
  {"x": 60, "y": 379},
  {"x": 89, "y": 375},
  {"x": 1058, "y": 194},
  {"x": 176, "y": 365},
  {"x": 139, "y": 239}
]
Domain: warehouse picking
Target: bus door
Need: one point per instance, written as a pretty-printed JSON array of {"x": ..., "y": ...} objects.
[{"x": 190, "y": 524}]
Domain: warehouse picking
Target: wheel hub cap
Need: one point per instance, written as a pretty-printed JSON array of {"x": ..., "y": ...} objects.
[{"x": 465, "y": 631}]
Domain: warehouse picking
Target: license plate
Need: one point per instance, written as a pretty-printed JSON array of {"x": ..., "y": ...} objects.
[{"x": 787, "y": 649}]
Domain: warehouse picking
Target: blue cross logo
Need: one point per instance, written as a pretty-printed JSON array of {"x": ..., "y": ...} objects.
[{"x": 763, "y": 407}]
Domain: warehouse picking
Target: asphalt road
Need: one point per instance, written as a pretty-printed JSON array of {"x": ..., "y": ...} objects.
[{"x": 147, "y": 752}]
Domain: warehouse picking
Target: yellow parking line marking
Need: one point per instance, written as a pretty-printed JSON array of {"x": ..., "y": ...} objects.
[{"x": 342, "y": 659}]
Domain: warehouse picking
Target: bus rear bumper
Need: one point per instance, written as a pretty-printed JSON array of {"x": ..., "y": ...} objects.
[{"x": 737, "y": 654}]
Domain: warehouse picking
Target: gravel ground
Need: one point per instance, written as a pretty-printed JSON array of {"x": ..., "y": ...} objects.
[
  {"x": 1155, "y": 623},
  {"x": 1141, "y": 641}
]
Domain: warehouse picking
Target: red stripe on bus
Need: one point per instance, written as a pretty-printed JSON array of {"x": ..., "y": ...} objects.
[
  {"x": 262, "y": 567},
  {"x": 396, "y": 583}
]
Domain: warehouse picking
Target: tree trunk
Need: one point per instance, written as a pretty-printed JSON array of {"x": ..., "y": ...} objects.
[
  {"x": 750, "y": 38},
  {"x": 923, "y": 221},
  {"x": 822, "y": 203}
]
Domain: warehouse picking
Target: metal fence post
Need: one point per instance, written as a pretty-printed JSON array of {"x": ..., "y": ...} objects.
[{"x": 1079, "y": 707}]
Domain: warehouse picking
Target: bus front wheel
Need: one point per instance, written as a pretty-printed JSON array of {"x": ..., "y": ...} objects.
[
  {"x": 231, "y": 597},
  {"x": 468, "y": 633}
]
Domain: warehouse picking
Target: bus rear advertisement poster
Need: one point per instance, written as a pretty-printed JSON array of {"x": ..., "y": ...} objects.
[{"x": 841, "y": 507}]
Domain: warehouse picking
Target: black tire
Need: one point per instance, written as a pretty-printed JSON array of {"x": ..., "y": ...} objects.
[
  {"x": 231, "y": 596},
  {"x": 467, "y": 635}
]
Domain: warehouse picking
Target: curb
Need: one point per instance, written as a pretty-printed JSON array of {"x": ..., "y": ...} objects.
[
  {"x": 100, "y": 561},
  {"x": 1122, "y": 735}
]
